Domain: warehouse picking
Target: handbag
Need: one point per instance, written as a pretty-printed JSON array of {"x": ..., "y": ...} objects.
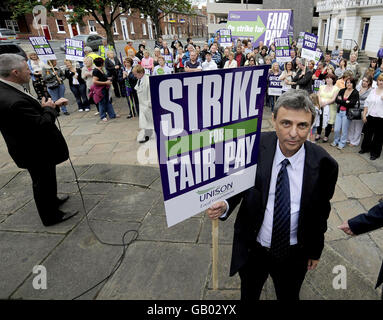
[{"x": 354, "y": 113}]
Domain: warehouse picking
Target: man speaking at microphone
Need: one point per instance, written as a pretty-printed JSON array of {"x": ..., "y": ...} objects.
[
  {"x": 33, "y": 140},
  {"x": 280, "y": 226}
]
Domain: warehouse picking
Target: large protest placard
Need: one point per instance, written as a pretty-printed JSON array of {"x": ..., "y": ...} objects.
[
  {"x": 275, "y": 85},
  {"x": 224, "y": 37},
  {"x": 207, "y": 128},
  {"x": 74, "y": 49},
  {"x": 42, "y": 48},
  {"x": 309, "y": 46},
  {"x": 282, "y": 49},
  {"x": 261, "y": 25}
]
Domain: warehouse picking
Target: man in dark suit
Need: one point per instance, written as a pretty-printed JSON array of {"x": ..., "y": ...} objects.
[
  {"x": 280, "y": 226},
  {"x": 33, "y": 140},
  {"x": 363, "y": 223}
]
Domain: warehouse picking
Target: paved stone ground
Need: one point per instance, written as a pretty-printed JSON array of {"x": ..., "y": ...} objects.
[{"x": 123, "y": 193}]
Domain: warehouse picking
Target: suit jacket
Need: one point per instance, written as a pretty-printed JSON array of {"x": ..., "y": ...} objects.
[
  {"x": 305, "y": 82},
  {"x": 319, "y": 178},
  {"x": 29, "y": 130},
  {"x": 367, "y": 222}
]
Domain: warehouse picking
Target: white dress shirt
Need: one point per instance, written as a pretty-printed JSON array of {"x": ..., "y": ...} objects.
[{"x": 295, "y": 172}]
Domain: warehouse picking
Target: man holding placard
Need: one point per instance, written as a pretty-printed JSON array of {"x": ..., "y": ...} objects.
[{"x": 280, "y": 226}]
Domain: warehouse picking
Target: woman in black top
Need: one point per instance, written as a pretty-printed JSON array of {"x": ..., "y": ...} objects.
[
  {"x": 77, "y": 85},
  {"x": 140, "y": 52},
  {"x": 113, "y": 68},
  {"x": 101, "y": 80},
  {"x": 347, "y": 98}
]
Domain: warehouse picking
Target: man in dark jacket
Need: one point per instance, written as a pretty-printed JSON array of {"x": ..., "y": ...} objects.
[
  {"x": 303, "y": 78},
  {"x": 366, "y": 222},
  {"x": 33, "y": 140}
]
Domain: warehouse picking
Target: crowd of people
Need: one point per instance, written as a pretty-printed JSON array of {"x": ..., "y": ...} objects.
[{"x": 347, "y": 99}]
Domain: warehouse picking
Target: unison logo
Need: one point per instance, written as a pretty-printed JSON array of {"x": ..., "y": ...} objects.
[{"x": 214, "y": 191}]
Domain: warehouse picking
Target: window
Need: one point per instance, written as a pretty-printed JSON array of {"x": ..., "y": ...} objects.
[
  {"x": 60, "y": 26},
  {"x": 131, "y": 27},
  {"x": 340, "y": 28},
  {"x": 144, "y": 29},
  {"x": 12, "y": 25},
  {"x": 92, "y": 26},
  {"x": 115, "y": 31}
]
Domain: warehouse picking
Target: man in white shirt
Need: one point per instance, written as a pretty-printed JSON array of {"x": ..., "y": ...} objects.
[
  {"x": 280, "y": 226},
  {"x": 209, "y": 64}
]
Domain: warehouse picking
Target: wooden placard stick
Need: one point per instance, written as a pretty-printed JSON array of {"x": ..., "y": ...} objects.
[
  {"x": 215, "y": 253},
  {"x": 54, "y": 71}
]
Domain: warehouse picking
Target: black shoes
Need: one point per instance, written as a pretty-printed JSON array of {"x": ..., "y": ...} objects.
[
  {"x": 67, "y": 113},
  {"x": 373, "y": 158},
  {"x": 61, "y": 201},
  {"x": 146, "y": 139},
  {"x": 61, "y": 217},
  {"x": 129, "y": 116}
]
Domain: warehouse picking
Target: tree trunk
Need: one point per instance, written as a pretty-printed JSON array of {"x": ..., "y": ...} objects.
[
  {"x": 156, "y": 21},
  {"x": 109, "y": 30}
]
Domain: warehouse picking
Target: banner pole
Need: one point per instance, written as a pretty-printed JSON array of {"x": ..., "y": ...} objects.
[{"x": 215, "y": 253}]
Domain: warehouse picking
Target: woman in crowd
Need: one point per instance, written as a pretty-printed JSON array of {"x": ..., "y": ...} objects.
[
  {"x": 87, "y": 75},
  {"x": 148, "y": 63},
  {"x": 157, "y": 54},
  {"x": 378, "y": 72},
  {"x": 162, "y": 68},
  {"x": 287, "y": 76},
  {"x": 346, "y": 99},
  {"x": 373, "y": 117},
  {"x": 252, "y": 61},
  {"x": 77, "y": 85},
  {"x": 341, "y": 81},
  {"x": 113, "y": 68},
  {"x": 168, "y": 57},
  {"x": 36, "y": 66},
  {"x": 327, "y": 94},
  {"x": 179, "y": 66},
  {"x": 54, "y": 79},
  {"x": 356, "y": 125},
  {"x": 146, "y": 115},
  {"x": 130, "y": 83},
  {"x": 341, "y": 68},
  {"x": 140, "y": 52},
  {"x": 374, "y": 64},
  {"x": 132, "y": 56},
  {"x": 369, "y": 72},
  {"x": 100, "y": 91},
  {"x": 231, "y": 63},
  {"x": 320, "y": 73}
]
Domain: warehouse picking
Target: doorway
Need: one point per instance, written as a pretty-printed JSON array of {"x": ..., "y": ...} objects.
[
  {"x": 47, "y": 33},
  {"x": 365, "y": 32},
  {"x": 74, "y": 29}
]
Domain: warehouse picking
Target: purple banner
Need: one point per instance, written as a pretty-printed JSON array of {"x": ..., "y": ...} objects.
[
  {"x": 310, "y": 41},
  {"x": 207, "y": 127},
  {"x": 260, "y": 25}
]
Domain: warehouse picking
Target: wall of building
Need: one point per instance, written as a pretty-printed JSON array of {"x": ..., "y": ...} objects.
[{"x": 375, "y": 35}]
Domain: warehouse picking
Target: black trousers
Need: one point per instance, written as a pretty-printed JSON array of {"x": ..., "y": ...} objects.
[
  {"x": 373, "y": 136},
  {"x": 287, "y": 275},
  {"x": 45, "y": 192}
]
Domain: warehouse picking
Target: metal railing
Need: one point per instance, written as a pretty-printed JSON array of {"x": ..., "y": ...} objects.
[{"x": 349, "y": 44}]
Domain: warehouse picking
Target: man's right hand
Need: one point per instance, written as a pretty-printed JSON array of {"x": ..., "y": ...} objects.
[
  {"x": 216, "y": 210},
  {"x": 47, "y": 103}
]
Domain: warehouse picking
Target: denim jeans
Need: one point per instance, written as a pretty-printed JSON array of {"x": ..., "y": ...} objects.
[
  {"x": 79, "y": 92},
  {"x": 105, "y": 106},
  {"x": 58, "y": 93},
  {"x": 341, "y": 129}
]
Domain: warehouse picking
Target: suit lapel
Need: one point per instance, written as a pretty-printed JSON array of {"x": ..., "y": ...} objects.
[
  {"x": 310, "y": 174},
  {"x": 23, "y": 94},
  {"x": 265, "y": 166}
]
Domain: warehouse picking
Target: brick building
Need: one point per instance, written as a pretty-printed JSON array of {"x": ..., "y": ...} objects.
[{"x": 131, "y": 25}]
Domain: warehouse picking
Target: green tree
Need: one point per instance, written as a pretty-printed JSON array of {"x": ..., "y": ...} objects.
[
  {"x": 158, "y": 9},
  {"x": 105, "y": 12}
]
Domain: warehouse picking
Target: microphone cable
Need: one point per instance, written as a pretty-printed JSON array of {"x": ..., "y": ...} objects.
[{"x": 124, "y": 244}]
